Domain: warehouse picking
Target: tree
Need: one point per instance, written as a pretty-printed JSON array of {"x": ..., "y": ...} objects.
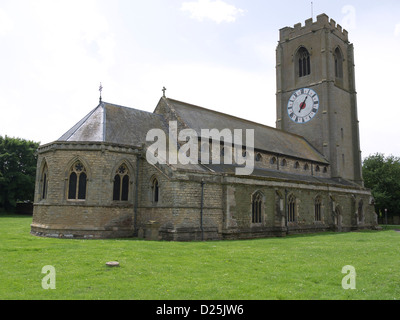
[
  {"x": 382, "y": 176},
  {"x": 17, "y": 170}
]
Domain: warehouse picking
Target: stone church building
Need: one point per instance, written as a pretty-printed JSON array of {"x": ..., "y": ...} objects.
[{"x": 96, "y": 182}]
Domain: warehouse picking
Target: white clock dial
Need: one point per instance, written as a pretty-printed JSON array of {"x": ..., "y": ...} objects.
[{"x": 303, "y": 105}]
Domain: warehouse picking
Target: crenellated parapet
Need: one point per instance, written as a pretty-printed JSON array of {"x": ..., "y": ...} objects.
[{"x": 323, "y": 22}]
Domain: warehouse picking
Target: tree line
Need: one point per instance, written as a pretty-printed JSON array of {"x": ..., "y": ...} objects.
[
  {"x": 17, "y": 171},
  {"x": 382, "y": 175},
  {"x": 18, "y": 162}
]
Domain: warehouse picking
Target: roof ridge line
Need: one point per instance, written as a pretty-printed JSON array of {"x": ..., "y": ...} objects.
[{"x": 82, "y": 121}]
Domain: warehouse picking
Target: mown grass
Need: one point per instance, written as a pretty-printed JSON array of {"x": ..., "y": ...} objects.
[{"x": 296, "y": 267}]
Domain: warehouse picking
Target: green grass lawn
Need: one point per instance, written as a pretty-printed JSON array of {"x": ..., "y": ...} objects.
[{"x": 295, "y": 267}]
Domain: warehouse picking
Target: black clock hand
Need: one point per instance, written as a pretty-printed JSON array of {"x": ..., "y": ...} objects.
[{"x": 303, "y": 104}]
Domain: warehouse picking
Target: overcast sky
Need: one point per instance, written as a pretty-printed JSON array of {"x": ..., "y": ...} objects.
[{"x": 218, "y": 54}]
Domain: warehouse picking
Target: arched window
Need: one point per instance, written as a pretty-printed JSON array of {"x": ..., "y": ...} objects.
[
  {"x": 256, "y": 207},
  {"x": 121, "y": 184},
  {"x": 360, "y": 211},
  {"x": 258, "y": 157},
  {"x": 291, "y": 208},
  {"x": 155, "y": 191},
  {"x": 306, "y": 167},
  {"x": 297, "y": 165},
  {"x": 304, "y": 63},
  {"x": 317, "y": 209},
  {"x": 77, "y": 182},
  {"x": 338, "y": 63},
  {"x": 283, "y": 163},
  {"x": 273, "y": 160},
  {"x": 44, "y": 182}
]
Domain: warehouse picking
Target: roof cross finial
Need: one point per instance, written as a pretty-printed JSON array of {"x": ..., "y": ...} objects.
[
  {"x": 100, "y": 89},
  {"x": 163, "y": 90}
]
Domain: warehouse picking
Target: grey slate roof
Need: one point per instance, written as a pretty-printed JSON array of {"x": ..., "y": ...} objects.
[
  {"x": 115, "y": 124},
  {"x": 266, "y": 138},
  {"x": 127, "y": 126}
]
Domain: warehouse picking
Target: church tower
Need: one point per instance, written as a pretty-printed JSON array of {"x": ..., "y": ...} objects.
[{"x": 316, "y": 94}]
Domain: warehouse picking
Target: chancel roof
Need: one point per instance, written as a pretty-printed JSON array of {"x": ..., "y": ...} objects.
[{"x": 115, "y": 124}]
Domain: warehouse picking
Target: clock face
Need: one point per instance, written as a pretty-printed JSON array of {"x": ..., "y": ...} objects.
[{"x": 303, "y": 105}]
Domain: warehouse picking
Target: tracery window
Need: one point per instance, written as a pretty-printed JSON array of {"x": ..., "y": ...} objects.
[
  {"x": 291, "y": 208},
  {"x": 155, "y": 191},
  {"x": 77, "y": 182},
  {"x": 317, "y": 209},
  {"x": 121, "y": 184},
  {"x": 360, "y": 211},
  {"x": 44, "y": 182},
  {"x": 304, "y": 63},
  {"x": 256, "y": 211}
]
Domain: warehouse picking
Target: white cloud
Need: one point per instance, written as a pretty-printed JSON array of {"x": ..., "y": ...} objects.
[
  {"x": 6, "y": 24},
  {"x": 217, "y": 11},
  {"x": 76, "y": 42},
  {"x": 397, "y": 30}
]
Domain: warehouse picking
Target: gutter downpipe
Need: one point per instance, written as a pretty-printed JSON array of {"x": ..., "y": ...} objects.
[
  {"x": 135, "y": 209},
  {"x": 286, "y": 212},
  {"x": 201, "y": 210}
]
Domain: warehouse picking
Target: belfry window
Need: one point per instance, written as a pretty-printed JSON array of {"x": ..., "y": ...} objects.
[
  {"x": 256, "y": 208},
  {"x": 338, "y": 63},
  {"x": 77, "y": 182},
  {"x": 121, "y": 184},
  {"x": 304, "y": 63},
  {"x": 291, "y": 209}
]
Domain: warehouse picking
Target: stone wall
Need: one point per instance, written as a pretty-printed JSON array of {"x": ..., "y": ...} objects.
[
  {"x": 238, "y": 220},
  {"x": 182, "y": 212},
  {"x": 179, "y": 209},
  {"x": 98, "y": 215}
]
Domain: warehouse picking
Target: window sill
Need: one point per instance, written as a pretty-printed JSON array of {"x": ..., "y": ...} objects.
[{"x": 75, "y": 201}]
